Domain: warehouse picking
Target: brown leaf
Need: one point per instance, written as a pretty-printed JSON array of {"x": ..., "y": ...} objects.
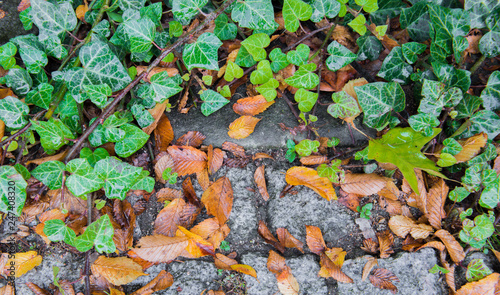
[
  {"x": 164, "y": 134},
  {"x": 251, "y": 106},
  {"x": 456, "y": 251},
  {"x": 165, "y": 161},
  {"x": 71, "y": 203},
  {"x": 191, "y": 138},
  {"x": 485, "y": 286},
  {"x": 23, "y": 5},
  {"x": 421, "y": 231},
  {"x": 421, "y": 195},
  {"x": 187, "y": 160},
  {"x": 176, "y": 213},
  {"x": 435, "y": 203},
  {"x": 383, "y": 278},
  {"x": 260, "y": 180},
  {"x": 286, "y": 239},
  {"x": 262, "y": 156},
  {"x": 313, "y": 160},
  {"x": 351, "y": 201},
  {"x": 143, "y": 263},
  {"x": 223, "y": 262},
  {"x": 434, "y": 244},
  {"x": 390, "y": 206},
  {"x": 369, "y": 265},
  {"x": 336, "y": 255},
  {"x": 385, "y": 241},
  {"x": 266, "y": 234},
  {"x": 309, "y": 177},
  {"x": 364, "y": 184},
  {"x": 236, "y": 162},
  {"x": 242, "y": 127},
  {"x": 161, "y": 282},
  {"x": 80, "y": 11},
  {"x": 168, "y": 194},
  {"x": 370, "y": 246},
  {"x": 496, "y": 165},
  {"x": 390, "y": 191},
  {"x": 244, "y": 269},
  {"x": 218, "y": 199},
  {"x": 471, "y": 147},
  {"x": 33, "y": 287},
  {"x": 330, "y": 269},
  {"x": 9, "y": 290},
  {"x": 189, "y": 192},
  {"x": 118, "y": 271},
  {"x": 349, "y": 86},
  {"x": 287, "y": 283},
  {"x": 237, "y": 150},
  {"x": 2, "y": 13},
  {"x": 215, "y": 159},
  {"x": 497, "y": 254},
  {"x": 203, "y": 179},
  {"x": 276, "y": 263},
  {"x": 159, "y": 248},
  {"x": 123, "y": 220},
  {"x": 157, "y": 113},
  {"x": 57, "y": 157},
  {"x": 171, "y": 71},
  {"x": 401, "y": 225},
  {"x": 314, "y": 239},
  {"x": 450, "y": 276}
]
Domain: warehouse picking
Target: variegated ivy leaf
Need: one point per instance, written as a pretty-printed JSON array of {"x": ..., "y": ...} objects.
[
  {"x": 268, "y": 89},
  {"x": 485, "y": 121},
  {"x": 255, "y": 45},
  {"x": 339, "y": 57},
  {"x": 202, "y": 53},
  {"x": 134, "y": 139},
  {"x": 13, "y": 112},
  {"x": 143, "y": 117},
  {"x": 100, "y": 66},
  {"x": 446, "y": 24},
  {"x": 344, "y": 106},
  {"x": 118, "y": 176},
  {"x": 161, "y": 87},
  {"x": 368, "y": 5},
  {"x": 144, "y": 182},
  {"x": 53, "y": 47},
  {"x": 95, "y": 156},
  {"x": 225, "y": 30},
  {"x": 451, "y": 76},
  {"x": 324, "y": 8},
  {"x": 53, "y": 134},
  {"x": 83, "y": 179},
  {"x": 411, "y": 50},
  {"x": 131, "y": 4},
  {"x": 479, "y": 10},
  {"x": 69, "y": 114},
  {"x": 488, "y": 45},
  {"x": 262, "y": 74},
  {"x": 254, "y": 14},
  {"x": 50, "y": 173},
  {"x": 118, "y": 119},
  {"x": 378, "y": 100},
  {"x": 394, "y": 68},
  {"x": 358, "y": 24},
  {"x": 56, "y": 231},
  {"x": 477, "y": 269},
  {"x": 369, "y": 48},
  {"x": 185, "y": 10},
  {"x": 416, "y": 21},
  {"x": 53, "y": 19},
  {"x": 212, "y": 102},
  {"x": 279, "y": 59},
  {"x": 299, "y": 56},
  {"x": 31, "y": 52},
  {"x": 451, "y": 146},
  {"x": 295, "y": 11},
  {"x": 424, "y": 123},
  {"x": 435, "y": 98},
  {"x": 7, "y": 53},
  {"x": 153, "y": 12},
  {"x": 306, "y": 147},
  {"x": 141, "y": 34},
  {"x": 491, "y": 94},
  {"x": 114, "y": 134},
  {"x": 99, "y": 234},
  {"x": 41, "y": 96},
  {"x": 26, "y": 18},
  {"x": 306, "y": 99},
  {"x": 102, "y": 29},
  {"x": 304, "y": 77},
  {"x": 446, "y": 160},
  {"x": 19, "y": 81},
  {"x": 98, "y": 94},
  {"x": 13, "y": 182},
  {"x": 232, "y": 71}
]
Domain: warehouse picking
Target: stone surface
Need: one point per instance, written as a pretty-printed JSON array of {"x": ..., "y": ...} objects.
[
  {"x": 191, "y": 277},
  {"x": 304, "y": 269},
  {"x": 412, "y": 270},
  {"x": 10, "y": 25}
]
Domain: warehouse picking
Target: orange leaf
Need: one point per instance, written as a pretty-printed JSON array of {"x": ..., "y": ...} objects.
[
  {"x": 286, "y": 239},
  {"x": 364, "y": 184},
  {"x": 187, "y": 159},
  {"x": 219, "y": 235},
  {"x": 168, "y": 194},
  {"x": 158, "y": 113},
  {"x": 314, "y": 239},
  {"x": 485, "y": 286},
  {"x": 421, "y": 231},
  {"x": 189, "y": 192},
  {"x": 234, "y": 148},
  {"x": 242, "y": 127},
  {"x": 176, "y": 213},
  {"x": 197, "y": 247},
  {"x": 266, "y": 234},
  {"x": 203, "y": 179},
  {"x": 385, "y": 241},
  {"x": 164, "y": 134},
  {"x": 244, "y": 269},
  {"x": 275, "y": 262},
  {"x": 456, "y": 251},
  {"x": 251, "y": 106},
  {"x": 435, "y": 203},
  {"x": 434, "y": 244},
  {"x": 369, "y": 265},
  {"x": 23, "y": 262},
  {"x": 349, "y": 86},
  {"x": 215, "y": 159},
  {"x": 287, "y": 283},
  {"x": 159, "y": 248},
  {"x": 80, "y": 12},
  {"x": 370, "y": 246},
  {"x": 161, "y": 282},
  {"x": 260, "y": 180},
  {"x": 383, "y": 278},
  {"x": 401, "y": 225},
  {"x": 313, "y": 160},
  {"x": 206, "y": 228},
  {"x": 191, "y": 138},
  {"x": 390, "y": 191},
  {"x": 23, "y": 5},
  {"x": 309, "y": 177},
  {"x": 165, "y": 161},
  {"x": 262, "y": 156},
  {"x": 8, "y": 290},
  {"x": 471, "y": 147},
  {"x": 330, "y": 269},
  {"x": 218, "y": 199},
  {"x": 336, "y": 255},
  {"x": 118, "y": 271},
  {"x": 224, "y": 262}
]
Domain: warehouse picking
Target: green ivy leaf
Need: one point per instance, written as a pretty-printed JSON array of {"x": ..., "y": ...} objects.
[
  {"x": 95, "y": 156},
  {"x": 435, "y": 98},
  {"x": 118, "y": 176},
  {"x": 23, "y": 171},
  {"x": 368, "y": 5},
  {"x": 53, "y": 19},
  {"x": 339, "y": 57},
  {"x": 436, "y": 269},
  {"x": 225, "y": 30},
  {"x": 458, "y": 194},
  {"x": 7, "y": 53},
  {"x": 416, "y": 21},
  {"x": 56, "y": 231},
  {"x": 8, "y": 174},
  {"x": 306, "y": 147},
  {"x": 244, "y": 59},
  {"x": 99, "y": 234},
  {"x": 369, "y": 48},
  {"x": 491, "y": 195},
  {"x": 224, "y": 91},
  {"x": 358, "y": 24},
  {"x": 279, "y": 60},
  {"x": 153, "y": 11},
  {"x": 133, "y": 140},
  {"x": 324, "y": 8},
  {"x": 424, "y": 123},
  {"x": 262, "y": 74},
  {"x": 459, "y": 44},
  {"x": 446, "y": 160},
  {"x": 487, "y": 122},
  {"x": 451, "y": 146},
  {"x": 479, "y": 10},
  {"x": 268, "y": 89},
  {"x": 50, "y": 173},
  {"x": 185, "y": 10},
  {"x": 232, "y": 71},
  {"x": 175, "y": 28},
  {"x": 118, "y": 119},
  {"x": 304, "y": 77},
  {"x": 295, "y": 11},
  {"x": 387, "y": 9},
  {"x": 491, "y": 94},
  {"x": 131, "y": 4},
  {"x": 13, "y": 112},
  {"x": 254, "y": 14},
  {"x": 41, "y": 96},
  {"x": 306, "y": 100},
  {"x": 69, "y": 114},
  {"x": 83, "y": 179},
  {"x": 98, "y": 94},
  {"x": 411, "y": 50},
  {"x": 212, "y": 102},
  {"x": 31, "y": 52},
  {"x": 401, "y": 147},
  {"x": 53, "y": 134},
  {"x": 344, "y": 106},
  {"x": 378, "y": 100},
  {"x": 114, "y": 134},
  {"x": 161, "y": 87},
  {"x": 202, "y": 53},
  {"x": 143, "y": 117},
  {"x": 299, "y": 56},
  {"x": 467, "y": 106},
  {"x": 144, "y": 182},
  {"x": 255, "y": 45},
  {"x": 394, "y": 68},
  {"x": 477, "y": 270},
  {"x": 26, "y": 18},
  {"x": 19, "y": 81},
  {"x": 333, "y": 171},
  {"x": 141, "y": 34}
]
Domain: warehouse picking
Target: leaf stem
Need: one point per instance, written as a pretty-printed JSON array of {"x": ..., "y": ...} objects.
[{"x": 478, "y": 63}]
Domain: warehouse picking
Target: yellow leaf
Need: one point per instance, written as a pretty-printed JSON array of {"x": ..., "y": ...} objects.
[
  {"x": 242, "y": 127},
  {"x": 309, "y": 177},
  {"x": 80, "y": 12},
  {"x": 22, "y": 262},
  {"x": 118, "y": 271},
  {"x": 471, "y": 147},
  {"x": 244, "y": 269}
]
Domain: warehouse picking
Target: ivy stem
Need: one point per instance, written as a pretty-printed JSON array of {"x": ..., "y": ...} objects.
[
  {"x": 183, "y": 39},
  {"x": 328, "y": 34},
  {"x": 21, "y": 131},
  {"x": 478, "y": 63}
]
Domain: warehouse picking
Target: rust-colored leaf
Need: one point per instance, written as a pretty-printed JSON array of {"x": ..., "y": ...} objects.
[
  {"x": 161, "y": 282},
  {"x": 390, "y": 191},
  {"x": 435, "y": 203},
  {"x": 159, "y": 248},
  {"x": 275, "y": 263},
  {"x": 421, "y": 195},
  {"x": 313, "y": 160},
  {"x": 57, "y": 157},
  {"x": 191, "y": 138},
  {"x": 218, "y": 199},
  {"x": 364, "y": 184},
  {"x": 369, "y": 265},
  {"x": 370, "y": 246},
  {"x": 309, "y": 177},
  {"x": 314, "y": 239},
  {"x": 23, "y": 5},
  {"x": 260, "y": 180},
  {"x": 197, "y": 246},
  {"x": 206, "y": 228},
  {"x": 165, "y": 161},
  {"x": 471, "y": 147},
  {"x": 23, "y": 262},
  {"x": 157, "y": 113},
  {"x": 33, "y": 287},
  {"x": 391, "y": 206},
  {"x": 187, "y": 159},
  {"x": 261, "y": 156},
  {"x": 385, "y": 242},
  {"x": 496, "y": 165},
  {"x": 382, "y": 278},
  {"x": 351, "y": 201},
  {"x": 168, "y": 194},
  {"x": 266, "y": 234},
  {"x": 287, "y": 283},
  {"x": 215, "y": 159},
  {"x": 450, "y": 275},
  {"x": 224, "y": 262},
  {"x": 164, "y": 134},
  {"x": 434, "y": 244},
  {"x": 236, "y": 162},
  {"x": 190, "y": 193},
  {"x": 489, "y": 285},
  {"x": 497, "y": 254},
  {"x": 336, "y": 255},
  {"x": 456, "y": 251},
  {"x": 330, "y": 269},
  {"x": 251, "y": 106},
  {"x": 9, "y": 290},
  {"x": 2, "y": 13},
  {"x": 123, "y": 219},
  {"x": 234, "y": 148},
  {"x": 401, "y": 225},
  {"x": 118, "y": 271},
  {"x": 286, "y": 239},
  {"x": 143, "y": 263},
  {"x": 242, "y": 127},
  {"x": 176, "y": 213},
  {"x": 203, "y": 179}
]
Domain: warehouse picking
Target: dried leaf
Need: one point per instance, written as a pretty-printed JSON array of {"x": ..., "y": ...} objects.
[
  {"x": 390, "y": 206},
  {"x": 237, "y": 150},
  {"x": 383, "y": 278},
  {"x": 450, "y": 275},
  {"x": 161, "y": 282},
  {"x": 236, "y": 162},
  {"x": 497, "y": 254},
  {"x": 369, "y": 265},
  {"x": 421, "y": 231},
  {"x": 187, "y": 160},
  {"x": 435, "y": 203},
  {"x": 165, "y": 161},
  {"x": 314, "y": 239},
  {"x": 242, "y": 127},
  {"x": 370, "y": 246},
  {"x": 176, "y": 213},
  {"x": 276, "y": 263},
  {"x": 9, "y": 290},
  {"x": 471, "y": 147},
  {"x": 251, "y": 106},
  {"x": 164, "y": 134},
  {"x": 260, "y": 180},
  {"x": 191, "y": 138},
  {"x": 266, "y": 234},
  {"x": 287, "y": 240},
  {"x": 215, "y": 159},
  {"x": 349, "y": 86},
  {"x": 158, "y": 114},
  {"x": 118, "y": 271},
  {"x": 309, "y": 177},
  {"x": 218, "y": 199},
  {"x": 23, "y": 262},
  {"x": 143, "y": 263},
  {"x": 262, "y": 156},
  {"x": 486, "y": 286},
  {"x": 496, "y": 165},
  {"x": 159, "y": 248},
  {"x": 171, "y": 71},
  {"x": 385, "y": 241},
  {"x": 330, "y": 269},
  {"x": 223, "y": 262},
  {"x": 168, "y": 194},
  {"x": 336, "y": 255},
  {"x": 390, "y": 191},
  {"x": 203, "y": 179},
  {"x": 190, "y": 193},
  {"x": 197, "y": 246},
  {"x": 287, "y": 283},
  {"x": 244, "y": 269},
  {"x": 34, "y": 288},
  {"x": 434, "y": 244},
  {"x": 219, "y": 235},
  {"x": 421, "y": 196},
  {"x": 80, "y": 12},
  {"x": 401, "y": 225},
  {"x": 57, "y": 157},
  {"x": 351, "y": 201},
  {"x": 313, "y": 160},
  {"x": 364, "y": 184},
  {"x": 23, "y": 5},
  {"x": 456, "y": 251}
]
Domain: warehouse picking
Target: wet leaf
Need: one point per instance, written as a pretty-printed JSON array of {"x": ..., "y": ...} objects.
[
  {"x": 266, "y": 234},
  {"x": 435, "y": 203},
  {"x": 314, "y": 239},
  {"x": 276, "y": 263},
  {"x": 330, "y": 269},
  {"x": 187, "y": 159},
  {"x": 309, "y": 177},
  {"x": 287, "y": 240},
  {"x": 176, "y": 213},
  {"x": 383, "y": 278},
  {"x": 369, "y": 265},
  {"x": 23, "y": 262},
  {"x": 242, "y": 127},
  {"x": 218, "y": 199},
  {"x": 161, "y": 282},
  {"x": 488, "y": 285},
  {"x": 118, "y": 271},
  {"x": 215, "y": 159}
]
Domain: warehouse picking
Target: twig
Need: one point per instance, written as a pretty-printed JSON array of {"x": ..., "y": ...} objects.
[
  {"x": 290, "y": 105},
  {"x": 22, "y": 130},
  {"x": 478, "y": 63}
]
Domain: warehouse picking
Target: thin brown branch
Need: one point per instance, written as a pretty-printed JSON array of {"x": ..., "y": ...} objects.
[{"x": 21, "y": 131}]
